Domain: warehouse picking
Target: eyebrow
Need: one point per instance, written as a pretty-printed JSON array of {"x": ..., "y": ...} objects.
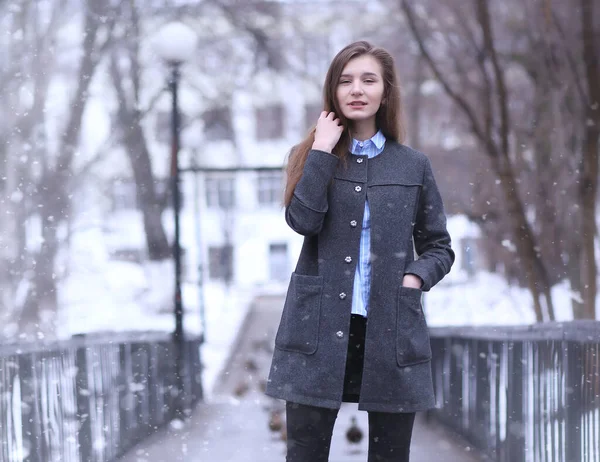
[{"x": 364, "y": 74}]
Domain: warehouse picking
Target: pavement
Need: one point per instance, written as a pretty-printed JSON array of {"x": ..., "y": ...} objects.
[{"x": 234, "y": 425}]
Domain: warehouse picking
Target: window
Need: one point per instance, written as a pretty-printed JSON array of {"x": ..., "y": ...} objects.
[
  {"x": 217, "y": 124},
  {"x": 311, "y": 114},
  {"x": 270, "y": 187},
  {"x": 163, "y": 188},
  {"x": 269, "y": 122},
  {"x": 276, "y": 60},
  {"x": 220, "y": 192},
  {"x": 163, "y": 123},
  {"x": 270, "y": 54},
  {"x": 316, "y": 55},
  {"x": 278, "y": 262},
  {"x": 124, "y": 195},
  {"x": 220, "y": 263}
]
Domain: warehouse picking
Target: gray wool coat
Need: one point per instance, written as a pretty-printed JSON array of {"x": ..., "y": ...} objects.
[{"x": 311, "y": 343}]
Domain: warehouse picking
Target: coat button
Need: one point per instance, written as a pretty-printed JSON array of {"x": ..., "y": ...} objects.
[
  {"x": 353, "y": 223},
  {"x": 357, "y": 188},
  {"x": 359, "y": 160},
  {"x": 348, "y": 259},
  {"x": 339, "y": 333},
  {"x": 342, "y": 295}
]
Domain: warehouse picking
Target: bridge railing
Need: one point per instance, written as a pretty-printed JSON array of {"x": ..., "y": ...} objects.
[
  {"x": 521, "y": 393},
  {"x": 91, "y": 398}
]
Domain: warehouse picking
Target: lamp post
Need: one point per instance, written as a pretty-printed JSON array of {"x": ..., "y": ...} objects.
[{"x": 175, "y": 44}]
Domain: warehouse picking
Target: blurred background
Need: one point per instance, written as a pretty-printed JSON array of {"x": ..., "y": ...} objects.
[
  {"x": 142, "y": 154},
  {"x": 502, "y": 96}
]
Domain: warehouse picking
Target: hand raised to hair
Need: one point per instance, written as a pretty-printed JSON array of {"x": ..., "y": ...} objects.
[{"x": 328, "y": 132}]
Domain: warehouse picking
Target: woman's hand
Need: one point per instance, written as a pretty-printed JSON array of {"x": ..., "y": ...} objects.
[
  {"x": 412, "y": 280},
  {"x": 328, "y": 132}
]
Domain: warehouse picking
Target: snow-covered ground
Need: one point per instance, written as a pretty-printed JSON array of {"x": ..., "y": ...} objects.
[
  {"x": 100, "y": 294},
  {"x": 486, "y": 298}
]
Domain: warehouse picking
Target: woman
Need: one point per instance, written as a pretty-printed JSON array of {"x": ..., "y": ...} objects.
[{"x": 353, "y": 170}]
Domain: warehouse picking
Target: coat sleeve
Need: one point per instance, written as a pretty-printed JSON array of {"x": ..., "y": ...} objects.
[
  {"x": 432, "y": 241},
  {"x": 307, "y": 209}
]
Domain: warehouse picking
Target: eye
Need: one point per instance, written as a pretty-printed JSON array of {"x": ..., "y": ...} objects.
[
  {"x": 344, "y": 81},
  {"x": 370, "y": 81}
]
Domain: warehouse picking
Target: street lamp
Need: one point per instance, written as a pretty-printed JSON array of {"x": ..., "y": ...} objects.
[{"x": 175, "y": 44}]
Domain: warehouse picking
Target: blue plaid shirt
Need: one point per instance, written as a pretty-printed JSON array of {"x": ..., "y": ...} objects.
[{"x": 362, "y": 275}]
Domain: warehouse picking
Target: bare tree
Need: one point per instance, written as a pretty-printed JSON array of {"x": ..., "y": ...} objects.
[
  {"x": 586, "y": 79},
  {"x": 552, "y": 128},
  {"x": 44, "y": 175},
  {"x": 526, "y": 80},
  {"x": 489, "y": 117},
  {"x": 129, "y": 118}
]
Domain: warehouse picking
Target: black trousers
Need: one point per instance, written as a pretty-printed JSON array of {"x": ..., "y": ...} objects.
[{"x": 310, "y": 428}]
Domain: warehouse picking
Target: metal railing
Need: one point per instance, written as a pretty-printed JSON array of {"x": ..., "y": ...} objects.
[
  {"x": 522, "y": 393},
  {"x": 90, "y": 398}
]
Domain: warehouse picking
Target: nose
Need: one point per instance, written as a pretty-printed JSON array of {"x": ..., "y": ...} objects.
[{"x": 356, "y": 88}]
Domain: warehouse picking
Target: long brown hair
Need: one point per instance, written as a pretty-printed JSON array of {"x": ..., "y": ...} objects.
[{"x": 389, "y": 118}]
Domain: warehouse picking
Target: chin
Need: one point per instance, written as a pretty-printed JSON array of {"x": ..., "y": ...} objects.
[{"x": 359, "y": 117}]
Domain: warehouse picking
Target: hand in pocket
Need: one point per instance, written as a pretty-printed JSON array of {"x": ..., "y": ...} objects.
[{"x": 412, "y": 280}]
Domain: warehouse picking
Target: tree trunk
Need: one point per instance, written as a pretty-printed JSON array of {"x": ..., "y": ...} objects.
[
  {"x": 535, "y": 270},
  {"x": 589, "y": 190},
  {"x": 40, "y": 306},
  {"x": 589, "y": 171},
  {"x": 415, "y": 106},
  {"x": 130, "y": 123},
  {"x": 141, "y": 165},
  {"x": 576, "y": 283},
  {"x": 537, "y": 278},
  {"x": 151, "y": 206}
]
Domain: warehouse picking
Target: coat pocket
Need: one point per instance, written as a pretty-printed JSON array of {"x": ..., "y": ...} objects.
[
  {"x": 412, "y": 334},
  {"x": 299, "y": 327}
]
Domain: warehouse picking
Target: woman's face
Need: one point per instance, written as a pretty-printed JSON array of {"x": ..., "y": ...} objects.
[{"x": 360, "y": 89}]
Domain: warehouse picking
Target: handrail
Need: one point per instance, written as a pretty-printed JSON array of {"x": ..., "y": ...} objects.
[
  {"x": 578, "y": 331},
  {"x": 521, "y": 393},
  {"x": 92, "y": 397}
]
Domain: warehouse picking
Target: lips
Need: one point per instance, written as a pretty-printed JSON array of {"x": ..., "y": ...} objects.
[{"x": 357, "y": 104}]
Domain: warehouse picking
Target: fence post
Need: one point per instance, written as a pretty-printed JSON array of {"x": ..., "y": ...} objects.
[
  {"x": 82, "y": 390},
  {"x": 194, "y": 372},
  {"x": 573, "y": 357},
  {"x": 515, "y": 423},
  {"x": 31, "y": 419},
  {"x": 126, "y": 422},
  {"x": 155, "y": 387},
  {"x": 482, "y": 403},
  {"x": 456, "y": 381}
]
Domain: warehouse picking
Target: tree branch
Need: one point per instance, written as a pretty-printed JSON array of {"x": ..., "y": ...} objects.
[
  {"x": 488, "y": 40},
  {"x": 92, "y": 55},
  {"x": 567, "y": 50},
  {"x": 134, "y": 52},
  {"x": 460, "y": 101}
]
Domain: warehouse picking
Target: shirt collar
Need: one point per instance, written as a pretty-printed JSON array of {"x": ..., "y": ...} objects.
[{"x": 377, "y": 139}]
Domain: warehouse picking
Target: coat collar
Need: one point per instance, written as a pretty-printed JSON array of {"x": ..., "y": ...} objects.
[
  {"x": 378, "y": 139},
  {"x": 355, "y": 169}
]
